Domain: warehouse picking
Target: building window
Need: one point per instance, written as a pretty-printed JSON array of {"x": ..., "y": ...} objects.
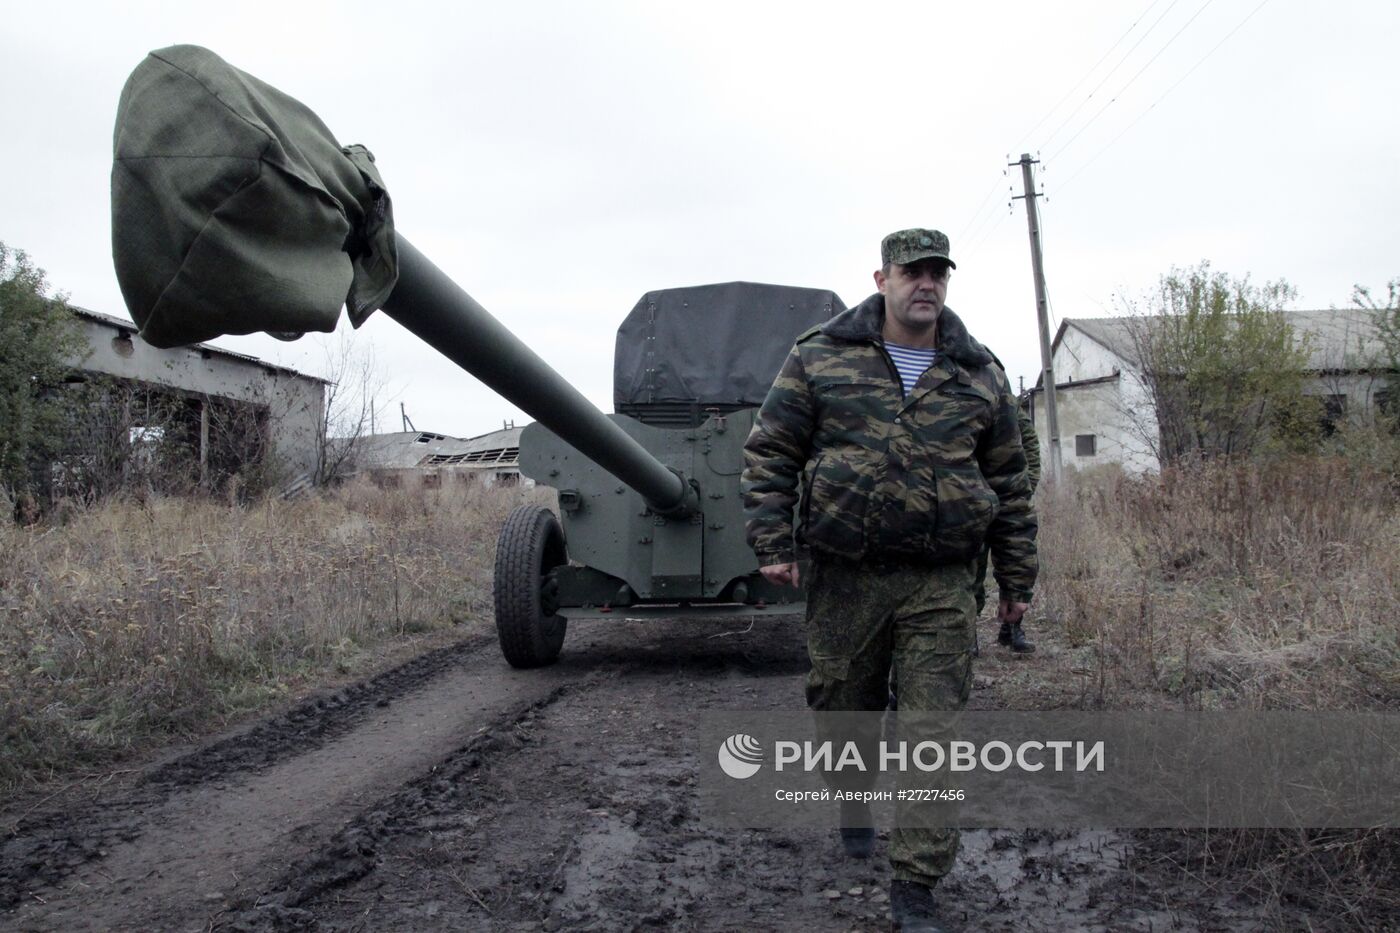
[
  {"x": 1334, "y": 411},
  {"x": 1085, "y": 445},
  {"x": 1387, "y": 400}
]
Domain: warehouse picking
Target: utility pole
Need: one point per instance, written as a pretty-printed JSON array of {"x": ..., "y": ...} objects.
[
  {"x": 403, "y": 413},
  {"x": 1047, "y": 369}
]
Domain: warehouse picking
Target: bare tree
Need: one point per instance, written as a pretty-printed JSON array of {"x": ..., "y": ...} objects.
[{"x": 352, "y": 406}]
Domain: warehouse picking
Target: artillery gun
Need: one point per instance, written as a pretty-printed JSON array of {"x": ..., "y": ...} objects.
[
  {"x": 236, "y": 211},
  {"x": 691, "y": 366}
]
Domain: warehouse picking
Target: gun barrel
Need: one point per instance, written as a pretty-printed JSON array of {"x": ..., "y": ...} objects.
[{"x": 427, "y": 302}]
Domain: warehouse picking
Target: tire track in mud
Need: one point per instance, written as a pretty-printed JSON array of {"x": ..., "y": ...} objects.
[
  {"x": 353, "y": 852},
  {"x": 559, "y": 798},
  {"x": 582, "y": 813},
  {"x": 42, "y": 850},
  {"x": 198, "y": 831},
  {"x": 214, "y": 827},
  {"x": 579, "y": 815},
  {"x": 466, "y": 789},
  {"x": 312, "y": 723}
]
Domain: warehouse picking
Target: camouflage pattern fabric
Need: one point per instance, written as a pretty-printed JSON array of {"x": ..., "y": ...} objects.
[
  {"x": 1030, "y": 443},
  {"x": 909, "y": 246},
  {"x": 859, "y": 622},
  {"x": 899, "y": 495},
  {"x": 926, "y": 478}
]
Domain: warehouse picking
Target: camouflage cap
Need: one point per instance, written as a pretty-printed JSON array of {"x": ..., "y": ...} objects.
[{"x": 906, "y": 246}]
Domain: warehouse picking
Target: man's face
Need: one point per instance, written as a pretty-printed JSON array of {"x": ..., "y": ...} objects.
[{"x": 914, "y": 294}]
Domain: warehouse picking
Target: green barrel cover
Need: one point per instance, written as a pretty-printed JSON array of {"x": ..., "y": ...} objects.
[{"x": 234, "y": 209}]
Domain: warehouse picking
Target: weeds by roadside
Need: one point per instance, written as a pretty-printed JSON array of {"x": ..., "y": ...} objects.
[
  {"x": 1338, "y": 879},
  {"x": 134, "y": 620},
  {"x": 1225, "y": 585},
  {"x": 1265, "y": 585}
]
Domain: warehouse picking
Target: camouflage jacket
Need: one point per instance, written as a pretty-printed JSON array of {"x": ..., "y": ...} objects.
[
  {"x": 1030, "y": 443},
  {"x": 888, "y": 478}
]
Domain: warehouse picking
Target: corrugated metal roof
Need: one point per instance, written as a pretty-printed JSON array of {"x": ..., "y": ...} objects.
[
  {"x": 407, "y": 449},
  {"x": 1342, "y": 338}
]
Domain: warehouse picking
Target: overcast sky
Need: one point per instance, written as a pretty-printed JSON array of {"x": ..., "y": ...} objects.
[{"x": 560, "y": 159}]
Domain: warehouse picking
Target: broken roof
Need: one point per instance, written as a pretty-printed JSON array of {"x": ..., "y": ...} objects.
[{"x": 408, "y": 449}]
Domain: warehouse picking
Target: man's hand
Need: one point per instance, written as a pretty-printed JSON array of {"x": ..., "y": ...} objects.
[
  {"x": 1007, "y": 611},
  {"x": 780, "y": 574}
]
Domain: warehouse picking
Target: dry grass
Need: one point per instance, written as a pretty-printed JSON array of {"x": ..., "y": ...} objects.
[
  {"x": 1240, "y": 586},
  {"x": 140, "y": 620},
  {"x": 1315, "y": 879},
  {"x": 1260, "y": 586},
  {"x": 1230, "y": 586}
]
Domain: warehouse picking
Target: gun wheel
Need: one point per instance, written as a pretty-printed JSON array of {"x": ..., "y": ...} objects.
[{"x": 530, "y": 546}]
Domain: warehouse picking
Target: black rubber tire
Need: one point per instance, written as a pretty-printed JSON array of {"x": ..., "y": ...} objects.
[{"x": 531, "y": 544}]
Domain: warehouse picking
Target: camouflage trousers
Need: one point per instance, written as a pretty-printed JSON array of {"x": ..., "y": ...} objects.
[
  {"x": 863, "y": 622},
  {"x": 979, "y": 581}
]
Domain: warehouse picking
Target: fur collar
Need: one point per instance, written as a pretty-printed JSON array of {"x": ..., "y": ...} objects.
[{"x": 865, "y": 321}]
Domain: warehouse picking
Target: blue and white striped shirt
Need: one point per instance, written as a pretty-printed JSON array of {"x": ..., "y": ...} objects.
[{"x": 911, "y": 362}]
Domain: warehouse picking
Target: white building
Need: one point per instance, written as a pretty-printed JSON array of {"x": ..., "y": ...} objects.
[{"x": 1105, "y": 411}]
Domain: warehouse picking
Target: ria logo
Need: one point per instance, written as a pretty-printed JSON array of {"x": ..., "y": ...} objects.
[{"x": 740, "y": 756}]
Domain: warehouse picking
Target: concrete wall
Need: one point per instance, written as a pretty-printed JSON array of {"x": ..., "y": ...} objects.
[
  {"x": 294, "y": 402},
  {"x": 1078, "y": 358},
  {"x": 1117, "y": 410},
  {"x": 1136, "y": 425},
  {"x": 1097, "y": 409},
  {"x": 1359, "y": 388}
]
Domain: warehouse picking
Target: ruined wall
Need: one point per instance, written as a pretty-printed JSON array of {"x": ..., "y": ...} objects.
[{"x": 293, "y": 402}]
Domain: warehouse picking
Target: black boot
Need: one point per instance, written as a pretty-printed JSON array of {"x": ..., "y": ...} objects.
[
  {"x": 911, "y": 908},
  {"x": 857, "y": 830},
  {"x": 1012, "y": 636}
]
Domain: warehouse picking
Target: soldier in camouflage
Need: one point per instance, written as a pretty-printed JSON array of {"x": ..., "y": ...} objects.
[
  {"x": 903, "y": 480},
  {"x": 1011, "y": 635}
]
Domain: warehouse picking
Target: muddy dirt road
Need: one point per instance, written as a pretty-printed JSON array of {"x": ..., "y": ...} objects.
[{"x": 454, "y": 793}]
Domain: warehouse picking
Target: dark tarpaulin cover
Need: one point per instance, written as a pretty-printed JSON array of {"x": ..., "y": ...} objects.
[
  {"x": 714, "y": 344},
  {"x": 234, "y": 209}
]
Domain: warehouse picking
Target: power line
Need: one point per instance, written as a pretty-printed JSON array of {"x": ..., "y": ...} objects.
[
  {"x": 1120, "y": 91},
  {"x": 977, "y": 224},
  {"x": 1111, "y": 73},
  {"x": 987, "y": 235},
  {"x": 967, "y": 227},
  {"x": 995, "y": 221},
  {"x": 977, "y": 229},
  {"x": 1061, "y": 101},
  {"x": 1079, "y": 171}
]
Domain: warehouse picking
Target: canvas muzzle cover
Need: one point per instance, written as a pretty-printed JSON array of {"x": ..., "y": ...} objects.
[{"x": 234, "y": 209}]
